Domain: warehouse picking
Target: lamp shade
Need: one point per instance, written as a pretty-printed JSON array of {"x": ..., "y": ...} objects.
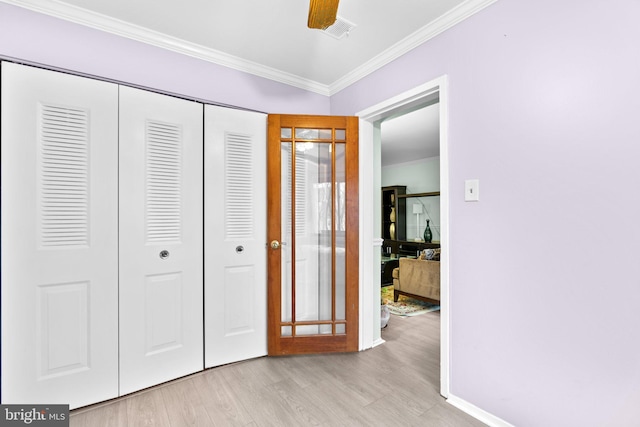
[
  {"x": 322, "y": 13},
  {"x": 417, "y": 208}
]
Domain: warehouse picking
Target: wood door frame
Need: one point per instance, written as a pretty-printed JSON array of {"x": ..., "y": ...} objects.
[{"x": 370, "y": 241}]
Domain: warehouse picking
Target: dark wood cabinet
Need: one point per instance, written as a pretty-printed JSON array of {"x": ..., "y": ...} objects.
[
  {"x": 394, "y": 212},
  {"x": 394, "y": 228},
  {"x": 406, "y": 247}
]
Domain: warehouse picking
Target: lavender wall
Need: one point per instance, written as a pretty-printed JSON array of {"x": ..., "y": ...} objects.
[
  {"x": 544, "y": 110},
  {"x": 545, "y": 269},
  {"x": 34, "y": 37}
]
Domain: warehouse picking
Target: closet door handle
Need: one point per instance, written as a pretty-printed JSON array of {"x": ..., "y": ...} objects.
[{"x": 164, "y": 254}]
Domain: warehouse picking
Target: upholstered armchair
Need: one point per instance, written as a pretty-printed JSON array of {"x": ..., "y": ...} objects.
[{"x": 417, "y": 278}]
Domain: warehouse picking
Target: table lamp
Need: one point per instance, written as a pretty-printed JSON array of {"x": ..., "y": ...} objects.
[{"x": 417, "y": 209}]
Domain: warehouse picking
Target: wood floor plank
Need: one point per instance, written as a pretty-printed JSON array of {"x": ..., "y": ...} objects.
[
  {"x": 338, "y": 403},
  {"x": 262, "y": 371},
  {"x": 304, "y": 369},
  {"x": 147, "y": 409},
  {"x": 397, "y": 383},
  {"x": 184, "y": 404},
  {"x": 298, "y": 402},
  {"x": 223, "y": 406},
  {"x": 364, "y": 390},
  {"x": 264, "y": 407},
  {"x": 111, "y": 414}
]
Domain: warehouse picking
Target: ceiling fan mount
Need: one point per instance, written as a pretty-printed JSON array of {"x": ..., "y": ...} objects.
[{"x": 322, "y": 13}]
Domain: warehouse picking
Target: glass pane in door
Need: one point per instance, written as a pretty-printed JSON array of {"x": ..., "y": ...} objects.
[
  {"x": 313, "y": 218},
  {"x": 286, "y": 298},
  {"x": 313, "y": 237},
  {"x": 340, "y": 231}
]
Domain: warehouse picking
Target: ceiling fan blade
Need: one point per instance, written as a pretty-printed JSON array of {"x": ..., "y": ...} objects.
[{"x": 322, "y": 13}]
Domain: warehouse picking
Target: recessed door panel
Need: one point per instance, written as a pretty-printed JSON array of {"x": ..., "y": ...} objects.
[
  {"x": 239, "y": 285},
  {"x": 59, "y": 237},
  {"x": 161, "y": 335},
  {"x": 63, "y": 329},
  {"x": 164, "y": 313}
]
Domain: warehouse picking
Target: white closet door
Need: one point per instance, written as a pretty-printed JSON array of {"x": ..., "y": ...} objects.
[
  {"x": 59, "y": 238},
  {"x": 235, "y": 233},
  {"x": 161, "y": 242}
]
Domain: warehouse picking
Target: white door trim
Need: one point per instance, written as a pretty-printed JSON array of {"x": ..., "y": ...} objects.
[{"x": 370, "y": 234}]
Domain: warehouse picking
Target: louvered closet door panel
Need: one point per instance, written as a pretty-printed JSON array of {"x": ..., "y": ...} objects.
[
  {"x": 161, "y": 242},
  {"x": 235, "y": 232},
  {"x": 59, "y": 238}
]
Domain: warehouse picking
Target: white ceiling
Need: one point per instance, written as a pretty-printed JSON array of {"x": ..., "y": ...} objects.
[
  {"x": 412, "y": 136},
  {"x": 270, "y": 38},
  {"x": 274, "y": 33}
]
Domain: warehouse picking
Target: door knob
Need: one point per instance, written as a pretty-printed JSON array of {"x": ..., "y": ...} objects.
[
  {"x": 164, "y": 254},
  {"x": 275, "y": 244}
]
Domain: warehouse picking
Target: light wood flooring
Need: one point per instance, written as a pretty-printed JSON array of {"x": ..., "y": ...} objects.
[{"x": 393, "y": 384}]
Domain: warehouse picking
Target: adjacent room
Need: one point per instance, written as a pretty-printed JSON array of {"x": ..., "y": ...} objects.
[{"x": 410, "y": 216}]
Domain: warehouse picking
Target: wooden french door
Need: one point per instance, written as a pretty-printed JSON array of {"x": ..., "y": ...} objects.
[{"x": 313, "y": 217}]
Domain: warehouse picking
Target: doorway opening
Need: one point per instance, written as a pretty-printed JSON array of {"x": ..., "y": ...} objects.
[{"x": 371, "y": 118}]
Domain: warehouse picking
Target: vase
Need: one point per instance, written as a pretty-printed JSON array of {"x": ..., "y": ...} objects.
[
  {"x": 385, "y": 314},
  {"x": 392, "y": 216},
  {"x": 428, "y": 237},
  {"x": 392, "y": 231}
]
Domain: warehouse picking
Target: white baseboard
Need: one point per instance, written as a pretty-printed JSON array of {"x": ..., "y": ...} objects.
[
  {"x": 477, "y": 413},
  {"x": 378, "y": 342}
]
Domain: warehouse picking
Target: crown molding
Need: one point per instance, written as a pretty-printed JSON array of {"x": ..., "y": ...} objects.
[
  {"x": 124, "y": 29},
  {"x": 429, "y": 31}
]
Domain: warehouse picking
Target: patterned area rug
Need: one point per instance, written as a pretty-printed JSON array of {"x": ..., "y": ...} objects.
[{"x": 405, "y": 306}]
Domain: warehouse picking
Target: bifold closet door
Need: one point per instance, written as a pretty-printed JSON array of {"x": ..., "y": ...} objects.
[
  {"x": 59, "y": 238},
  {"x": 161, "y": 241},
  {"x": 235, "y": 235}
]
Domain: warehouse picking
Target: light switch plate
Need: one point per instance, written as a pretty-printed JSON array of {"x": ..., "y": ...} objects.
[{"x": 471, "y": 190}]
